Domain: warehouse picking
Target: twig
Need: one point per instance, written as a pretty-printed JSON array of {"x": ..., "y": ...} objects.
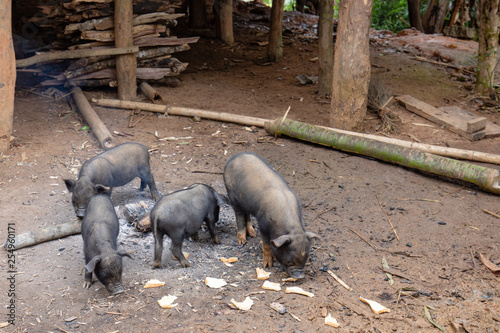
[
  {"x": 144, "y": 116},
  {"x": 385, "y": 104},
  {"x": 339, "y": 280},
  {"x": 367, "y": 242},
  {"x": 326, "y": 211},
  {"x": 386, "y": 216},
  {"x": 60, "y": 329},
  {"x": 491, "y": 213},
  {"x": 117, "y": 313},
  {"x": 210, "y": 172},
  {"x": 281, "y": 123},
  {"x": 443, "y": 64}
]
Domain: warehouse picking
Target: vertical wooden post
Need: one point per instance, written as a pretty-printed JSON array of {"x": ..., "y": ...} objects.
[
  {"x": 223, "y": 10},
  {"x": 7, "y": 75},
  {"x": 325, "y": 47},
  {"x": 275, "y": 50},
  {"x": 126, "y": 65}
]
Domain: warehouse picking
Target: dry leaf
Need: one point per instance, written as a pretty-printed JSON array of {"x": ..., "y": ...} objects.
[
  {"x": 154, "y": 283},
  {"x": 166, "y": 302},
  {"x": 215, "y": 283},
  {"x": 271, "y": 286},
  {"x": 329, "y": 320},
  {"x": 376, "y": 307},
  {"x": 298, "y": 290},
  {"x": 486, "y": 262},
  {"x": 262, "y": 274},
  {"x": 245, "y": 305}
]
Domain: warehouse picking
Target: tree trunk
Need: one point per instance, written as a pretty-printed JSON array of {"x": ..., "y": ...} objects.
[
  {"x": 414, "y": 14},
  {"x": 488, "y": 44},
  {"x": 325, "y": 51},
  {"x": 275, "y": 50},
  {"x": 223, "y": 10},
  {"x": 434, "y": 16},
  {"x": 351, "y": 68},
  {"x": 126, "y": 65},
  {"x": 197, "y": 14},
  {"x": 7, "y": 75}
]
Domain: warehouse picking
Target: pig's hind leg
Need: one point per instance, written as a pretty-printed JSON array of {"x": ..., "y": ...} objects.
[
  {"x": 147, "y": 179},
  {"x": 158, "y": 249},
  {"x": 176, "y": 249}
]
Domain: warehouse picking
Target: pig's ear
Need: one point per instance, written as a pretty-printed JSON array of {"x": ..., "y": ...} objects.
[
  {"x": 90, "y": 267},
  {"x": 70, "y": 184},
  {"x": 281, "y": 240},
  {"x": 101, "y": 189},
  {"x": 221, "y": 199},
  {"x": 311, "y": 235},
  {"x": 124, "y": 254}
]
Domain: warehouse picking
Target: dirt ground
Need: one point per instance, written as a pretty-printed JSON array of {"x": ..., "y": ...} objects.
[{"x": 346, "y": 199}]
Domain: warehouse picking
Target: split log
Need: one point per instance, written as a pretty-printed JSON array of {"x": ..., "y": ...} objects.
[
  {"x": 151, "y": 93},
  {"x": 90, "y": 68},
  {"x": 165, "y": 62},
  {"x": 164, "y": 41},
  {"x": 142, "y": 73},
  {"x": 75, "y": 54},
  {"x": 100, "y": 131},
  {"x": 487, "y": 179},
  {"x": 46, "y": 234},
  {"x": 137, "y": 31},
  {"x": 179, "y": 111},
  {"x": 91, "y": 83}
]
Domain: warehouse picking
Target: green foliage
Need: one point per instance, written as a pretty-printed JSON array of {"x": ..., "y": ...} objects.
[
  {"x": 288, "y": 6},
  {"x": 387, "y": 15}
]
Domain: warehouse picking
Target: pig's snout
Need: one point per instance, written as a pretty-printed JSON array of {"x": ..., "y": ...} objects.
[
  {"x": 115, "y": 288},
  {"x": 296, "y": 273},
  {"x": 80, "y": 212}
]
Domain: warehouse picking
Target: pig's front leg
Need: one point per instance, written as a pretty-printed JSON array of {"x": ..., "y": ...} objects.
[
  {"x": 88, "y": 280},
  {"x": 267, "y": 255}
]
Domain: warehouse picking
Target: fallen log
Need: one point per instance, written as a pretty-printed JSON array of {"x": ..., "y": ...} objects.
[
  {"x": 487, "y": 179},
  {"x": 151, "y": 93},
  {"x": 74, "y": 54},
  {"x": 46, "y": 234},
  {"x": 100, "y": 131},
  {"x": 179, "y": 111}
]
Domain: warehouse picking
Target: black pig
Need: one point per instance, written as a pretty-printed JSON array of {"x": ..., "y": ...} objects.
[
  {"x": 115, "y": 167},
  {"x": 99, "y": 231},
  {"x": 254, "y": 188},
  {"x": 180, "y": 215}
]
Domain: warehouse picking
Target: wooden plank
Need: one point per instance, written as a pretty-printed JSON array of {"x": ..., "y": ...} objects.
[
  {"x": 453, "y": 118},
  {"x": 477, "y": 124}
]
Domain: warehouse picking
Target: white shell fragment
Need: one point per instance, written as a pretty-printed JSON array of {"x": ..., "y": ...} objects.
[
  {"x": 278, "y": 307},
  {"x": 154, "y": 283},
  {"x": 271, "y": 286},
  {"x": 215, "y": 283},
  {"x": 298, "y": 290},
  {"x": 376, "y": 307},
  {"x": 329, "y": 320},
  {"x": 262, "y": 274},
  {"x": 166, "y": 302},
  {"x": 243, "y": 306}
]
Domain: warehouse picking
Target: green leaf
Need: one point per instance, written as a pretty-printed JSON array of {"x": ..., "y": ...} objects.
[{"x": 428, "y": 316}]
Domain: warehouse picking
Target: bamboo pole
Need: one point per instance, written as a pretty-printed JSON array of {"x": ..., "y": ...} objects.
[
  {"x": 100, "y": 131},
  {"x": 75, "y": 54},
  {"x": 44, "y": 235},
  {"x": 151, "y": 93},
  {"x": 180, "y": 111},
  {"x": 487, "y": 179}
]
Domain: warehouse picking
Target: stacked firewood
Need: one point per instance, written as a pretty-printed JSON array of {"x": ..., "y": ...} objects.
[{"x": 89, "y": 24}]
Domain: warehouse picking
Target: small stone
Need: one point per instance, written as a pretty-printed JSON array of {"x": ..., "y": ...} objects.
[
  {"x": 409, "y": 244},
  {"x": 442, "y": 223}
]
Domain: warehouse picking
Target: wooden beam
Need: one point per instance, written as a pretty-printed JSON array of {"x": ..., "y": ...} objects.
[
  {"x": 75, "y": 54},
  {"x": 7, "y": 75},
  {"x": 126, "y": 65}
]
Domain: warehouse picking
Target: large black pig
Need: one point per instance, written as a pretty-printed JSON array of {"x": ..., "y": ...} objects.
[
  {"x": 115, "y": 167},
  {"x": 100, "y": 229},
  {"x": 254, "y": 188},
  {"x": 180, "y": 214}
]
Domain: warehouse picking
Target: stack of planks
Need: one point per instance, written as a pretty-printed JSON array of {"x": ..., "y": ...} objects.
[{"x": 89, "y": 24}]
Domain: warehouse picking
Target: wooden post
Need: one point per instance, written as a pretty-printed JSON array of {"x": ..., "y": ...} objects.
[
  {"x": 7, "y": 75},
  {"x": 223, "y": 10},
  {"x": 275, "y": 50},
  {"x": 126, "y": 65},
  {"x": 325, "y": 47}
]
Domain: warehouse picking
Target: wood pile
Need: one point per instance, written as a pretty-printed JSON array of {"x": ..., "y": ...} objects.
[{"x": 89, "y": 24}]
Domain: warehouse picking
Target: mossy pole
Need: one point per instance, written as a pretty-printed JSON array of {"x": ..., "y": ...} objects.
[{"x": 486, "y": 178}]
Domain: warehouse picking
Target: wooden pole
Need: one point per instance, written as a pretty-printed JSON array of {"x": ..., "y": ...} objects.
[
  {"x": 100, "y": 131},
  {"x": 151, "y": 93},
  {"x": 34, "y": 237},
  {"x": 223, "y": 10},
  {"x": 275, "y": 48},
  {"x": 126, "y": 65},
  {"x": 7, "y": 75},
  {"x": 325, "y": 47},
  {"x": 75, "y": 54}
]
